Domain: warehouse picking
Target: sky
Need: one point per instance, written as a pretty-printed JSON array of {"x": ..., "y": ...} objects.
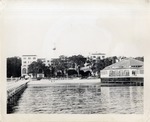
[{"x": 73, "y": 27}]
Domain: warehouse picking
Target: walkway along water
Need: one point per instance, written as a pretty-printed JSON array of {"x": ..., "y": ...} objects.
[{"x": 14, "y": 91}]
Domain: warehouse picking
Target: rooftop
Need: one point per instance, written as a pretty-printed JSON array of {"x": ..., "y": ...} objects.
[
  {"x": 126, "y": 64},
  {"x": 29, "y": 55},
  {"x": 98, "y": 54}
]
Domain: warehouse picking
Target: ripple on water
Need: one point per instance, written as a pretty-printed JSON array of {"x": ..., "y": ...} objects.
[{"x": 81, "y": 100}]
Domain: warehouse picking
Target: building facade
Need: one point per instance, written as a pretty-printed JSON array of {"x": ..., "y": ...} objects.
[
  {"x": 47, "y": 62},
  {"x": 126, "y": 71},
  {"x": 26, "y": 61},
  {"x": 95, "y": 56}
]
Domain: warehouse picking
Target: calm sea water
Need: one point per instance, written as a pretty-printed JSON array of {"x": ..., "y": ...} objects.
[{"x": 80, "y": 99}]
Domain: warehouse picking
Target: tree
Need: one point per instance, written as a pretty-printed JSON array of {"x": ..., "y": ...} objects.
[
  {"x": 63, "y": 63},
  {"x": 47, "y": 72},
  {"x": 59, "y": 65},
  {"x": 78, "y": 60},
  {"x": 14, "y": 67},
  {"x": 140, "y": 58},
  {"x": 36, "y": 67},
  {"x": 100, "y": 64}
]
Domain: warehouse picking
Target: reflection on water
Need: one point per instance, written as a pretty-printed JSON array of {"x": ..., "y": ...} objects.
[{"x": 84, "y": 99}]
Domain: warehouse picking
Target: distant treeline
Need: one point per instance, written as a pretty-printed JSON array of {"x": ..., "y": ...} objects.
[
  {"x": 61, "y": 64},
  {"x": 14, "y": 67}
]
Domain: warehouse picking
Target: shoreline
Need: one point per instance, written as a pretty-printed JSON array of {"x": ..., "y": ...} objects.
[
  {"x": 63, "y": 82},
  {"x": 70, "y": 82},
  {"x": 74, "y": 82}
]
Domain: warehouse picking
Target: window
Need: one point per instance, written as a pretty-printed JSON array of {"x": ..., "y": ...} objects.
[
  {"x": 24, "y": 70},
  {"x": 24, "y": 58},
  {"x": 34, "y": 57},
  {"x": 29, "y": 57},
  {"x": 103, "y": 72},
  {"x": 141, "y": 71},
  {"x": 133, "y": 73},
  {"x": 24, "y": 62},
  {"x": 127, "y": 73},
  {"x": 98, "y": 57}
]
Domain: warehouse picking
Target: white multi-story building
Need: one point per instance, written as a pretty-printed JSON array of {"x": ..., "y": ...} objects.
[
  {"x": 26, "y": 61},
  {"x": 95, "y": 56}
]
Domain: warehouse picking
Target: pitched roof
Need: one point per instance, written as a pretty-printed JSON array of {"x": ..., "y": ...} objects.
[{"x": 126, "y": 64}]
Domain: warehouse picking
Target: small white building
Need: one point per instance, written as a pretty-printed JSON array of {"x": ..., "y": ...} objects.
[{"x": 95, "y": 56}]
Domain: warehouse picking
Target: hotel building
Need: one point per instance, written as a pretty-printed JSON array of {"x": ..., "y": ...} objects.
[{"x": 26, "y": 61}]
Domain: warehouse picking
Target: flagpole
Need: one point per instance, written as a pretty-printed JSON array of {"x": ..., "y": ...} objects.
[{"x": 54, "y": 49}]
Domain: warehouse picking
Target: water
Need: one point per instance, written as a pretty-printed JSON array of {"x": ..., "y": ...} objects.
[{"x": 83, "y": 99}]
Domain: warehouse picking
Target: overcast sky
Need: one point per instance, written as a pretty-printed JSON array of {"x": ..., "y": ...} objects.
[{"x": 120, "y": 29}]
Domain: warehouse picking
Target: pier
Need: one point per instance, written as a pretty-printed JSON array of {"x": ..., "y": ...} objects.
[{"x": 14, "y": 91}]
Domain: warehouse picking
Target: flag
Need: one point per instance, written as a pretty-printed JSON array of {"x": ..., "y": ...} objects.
[{"x": 54, "y": 48}]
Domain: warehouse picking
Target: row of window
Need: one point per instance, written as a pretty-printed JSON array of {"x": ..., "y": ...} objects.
[
  {"x": 104, "y": 72},
  {"x": 136, "y": 66},
  {"x": 122, "y": 72},
  {"x": 27, "y": 62},
  {"x": 137, "y": 72},
  {"x": 98, "y": 57},
  {"x": 31, "y": 62},
  {"x": 119, "y": 73},
  {"x": 46, "y": 61}
]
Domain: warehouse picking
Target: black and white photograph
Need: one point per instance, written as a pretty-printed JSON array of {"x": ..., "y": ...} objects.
[{"x": 75, "y": 57}]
